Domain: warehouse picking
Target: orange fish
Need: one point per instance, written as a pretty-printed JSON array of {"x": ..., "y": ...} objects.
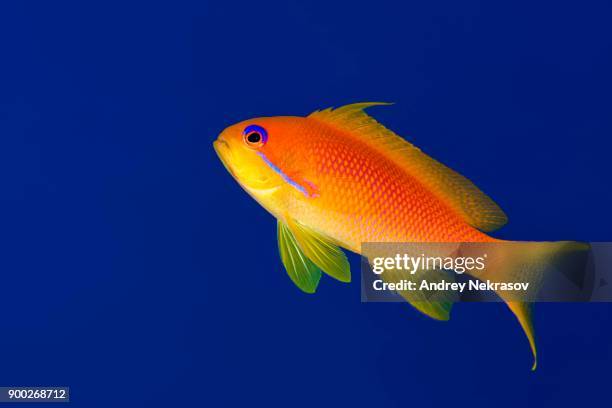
[{"x": 337, "y": 178}]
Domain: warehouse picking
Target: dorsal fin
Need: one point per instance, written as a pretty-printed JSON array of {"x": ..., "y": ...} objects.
[{"x": 476, "y": 208}]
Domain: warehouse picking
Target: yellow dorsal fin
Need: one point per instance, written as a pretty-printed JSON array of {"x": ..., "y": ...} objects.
[{"x": 476, "y": 208}]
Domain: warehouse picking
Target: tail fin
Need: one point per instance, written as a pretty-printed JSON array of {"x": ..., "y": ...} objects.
[{"x": 528, "y": 262}]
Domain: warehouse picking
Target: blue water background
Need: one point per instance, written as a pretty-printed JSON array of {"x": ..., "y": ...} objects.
[{"x": 137, "y": 272}]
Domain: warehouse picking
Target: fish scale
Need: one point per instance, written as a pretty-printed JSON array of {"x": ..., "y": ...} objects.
[{"x": 360, "y": 187}]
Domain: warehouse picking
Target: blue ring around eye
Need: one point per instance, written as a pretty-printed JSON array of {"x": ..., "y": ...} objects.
[{"x": 259, "y": 129}]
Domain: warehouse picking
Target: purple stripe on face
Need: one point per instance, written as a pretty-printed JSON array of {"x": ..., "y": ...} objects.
[{"x": 285, "y": 177}]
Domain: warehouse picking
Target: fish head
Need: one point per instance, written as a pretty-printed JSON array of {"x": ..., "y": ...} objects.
[{"x": 263, "y": 154}]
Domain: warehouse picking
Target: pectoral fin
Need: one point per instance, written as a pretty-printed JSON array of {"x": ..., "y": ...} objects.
[
  {"x": 302, "y": 271},
  {"x": 321, "y": 251}
]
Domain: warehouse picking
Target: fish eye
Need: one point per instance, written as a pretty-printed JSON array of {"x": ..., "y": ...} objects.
[{"x": 255, "y": 136}]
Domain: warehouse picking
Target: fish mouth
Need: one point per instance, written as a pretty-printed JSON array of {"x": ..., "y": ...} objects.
[{"x": 224, "y": 152}]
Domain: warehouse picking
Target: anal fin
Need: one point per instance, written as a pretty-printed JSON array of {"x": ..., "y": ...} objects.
[{"x": 436, "y": 304}]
